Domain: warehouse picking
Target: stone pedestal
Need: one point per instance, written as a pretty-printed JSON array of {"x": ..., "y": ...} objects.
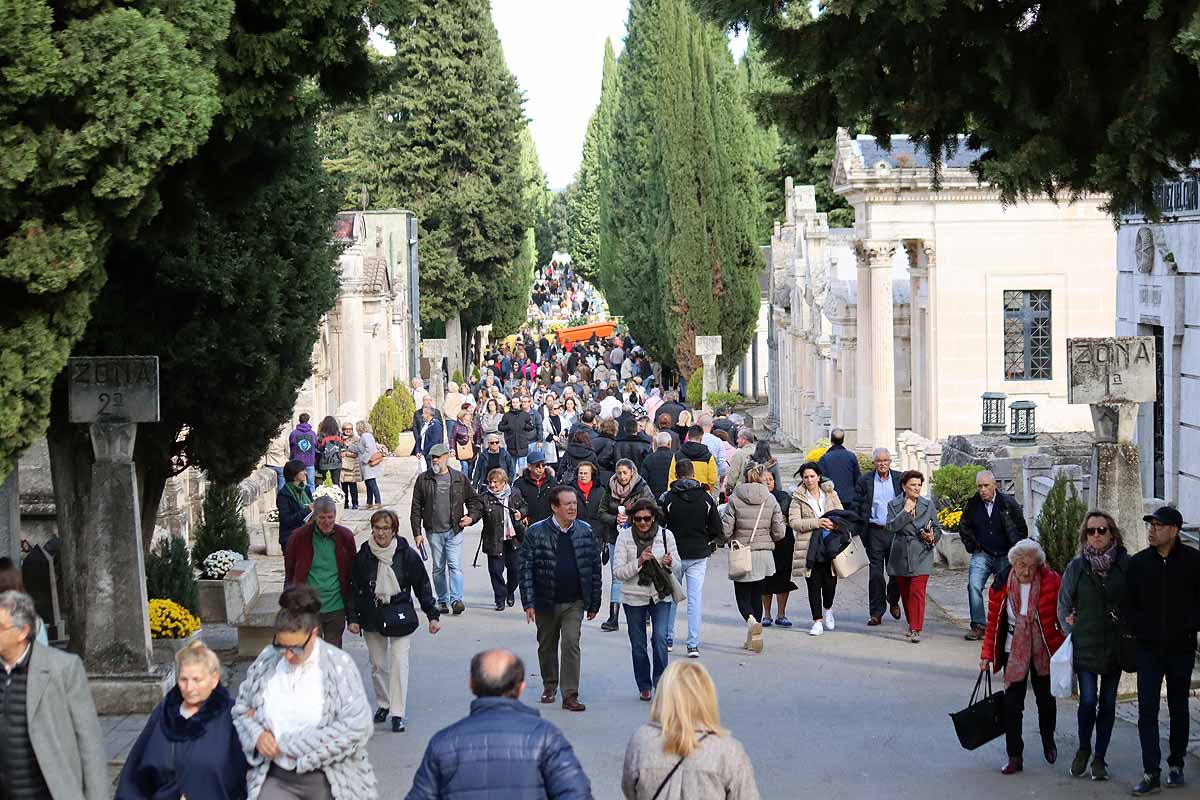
[
  {"x": 115, "y": 634},
  {"x": 1116, "y": 471},
  {"x": 454, "y": 352},
  {"x": 10, "y": 516},
  {"x": 485, "y": 332},
  {"x": 436, "y": 350},
  {"x": 708, "y": 348}
]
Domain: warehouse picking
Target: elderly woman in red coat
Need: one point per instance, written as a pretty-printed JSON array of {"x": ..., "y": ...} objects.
[{"x": 1022, "y": 634}]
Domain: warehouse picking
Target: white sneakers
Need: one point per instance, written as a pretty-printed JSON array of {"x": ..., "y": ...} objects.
[
  {"x": 754, "y": 641},
  {"x": 829, "y": 619},
  {"x": 817, "y": 629}
]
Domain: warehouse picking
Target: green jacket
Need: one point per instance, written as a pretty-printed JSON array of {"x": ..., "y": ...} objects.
[{"x": 1096, "y": 601}]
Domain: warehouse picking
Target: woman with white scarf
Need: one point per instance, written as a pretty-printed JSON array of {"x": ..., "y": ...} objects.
[
  {"x": 504, "y": 513},
  {"x": 386, "y": 571}
]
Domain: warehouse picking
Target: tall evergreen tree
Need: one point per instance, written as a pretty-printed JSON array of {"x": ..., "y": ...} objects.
[
  {"x": 560, "y": 220},
  {"x": 684, "y": 199},
  {"x": 512, "y": 290},
  {"x": 443, "y": 139},
  {"x": 589, "y": 201},
  {"x": 610, "y": 97}
]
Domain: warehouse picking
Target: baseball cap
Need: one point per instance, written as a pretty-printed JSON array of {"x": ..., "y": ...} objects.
[
  {"x": 536, "y": 457},
  {"x": 439, "y": 450},
  {"x": 1167, "y": 516}
]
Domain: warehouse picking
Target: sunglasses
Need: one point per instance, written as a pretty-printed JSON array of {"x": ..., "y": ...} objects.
[
  {"x": 1096, "y": 531},
  {"x": 294, "y": 649},
  {"x": 643, "y": 518}
]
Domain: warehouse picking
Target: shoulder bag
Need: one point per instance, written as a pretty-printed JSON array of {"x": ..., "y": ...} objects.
[
  {"x": 850, "y": 560},
  {"x": 741, "y": 558},
  {"x": 399, "y": 617},
  {"x": 671, "y": 774}
]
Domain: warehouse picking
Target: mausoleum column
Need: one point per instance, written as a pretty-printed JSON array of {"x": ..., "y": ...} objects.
[{"x": 876, "y": 257}]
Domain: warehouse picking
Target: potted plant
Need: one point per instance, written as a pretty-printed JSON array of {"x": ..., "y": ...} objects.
[
  {"x": 172, "y": 628},
  {"x": 222, "y": 530}
]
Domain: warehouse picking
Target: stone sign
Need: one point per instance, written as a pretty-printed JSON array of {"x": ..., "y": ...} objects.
[
  {"x": 113, "y": 389},
  {"x": 1115, "y": 369}
]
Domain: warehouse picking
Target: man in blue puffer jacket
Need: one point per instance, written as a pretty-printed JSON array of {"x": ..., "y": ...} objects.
[{"x": 503, "y": 748}]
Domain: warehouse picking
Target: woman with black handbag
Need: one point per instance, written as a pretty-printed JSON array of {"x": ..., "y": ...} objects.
[
  {"x": 385, "y": 572},
  {"x": 503, "y": 531},
  {"x": 1089, "y": 603}
]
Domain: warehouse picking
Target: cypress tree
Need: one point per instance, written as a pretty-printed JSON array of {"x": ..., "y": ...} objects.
[
  {"x": 512, "y": 289},
  {"x": 589, "y": 201}
]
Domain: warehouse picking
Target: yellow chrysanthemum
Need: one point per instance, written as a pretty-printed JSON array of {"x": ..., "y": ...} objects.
[{"x": 169, "y": 620}]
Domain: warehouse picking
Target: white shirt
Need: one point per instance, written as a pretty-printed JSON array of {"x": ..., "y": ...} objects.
[
  {"x": 1012, "y": 610},
  {"x": 987, "y": 504},
  {"x": 294, "y": 699},
  {"x": 817, "y": 504},
  {"x": 610, "y": 407}
]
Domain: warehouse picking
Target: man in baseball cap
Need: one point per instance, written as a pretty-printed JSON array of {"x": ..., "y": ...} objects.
[
  {"x": 443, "y": 503},
  {"x": 1162, "y": 608}
]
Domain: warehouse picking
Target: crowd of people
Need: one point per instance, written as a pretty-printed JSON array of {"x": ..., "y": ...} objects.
[{"x": 560, "y": 294}]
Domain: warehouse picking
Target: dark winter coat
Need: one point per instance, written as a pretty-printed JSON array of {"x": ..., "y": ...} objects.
[
  {"x": 603, "y": 445},
  {"x": 608, "y": 509},
  {"x": 483, "y": 466},
  {"x": 840, "y": 466},
  {"x": 410, "y": 574},
  {"x": 1162, "y": 601},
  {"x": 656, "y": 469},
  {"x": 503, "y": 749},
  {"x": 632, "y": 447},
  {"x": 537, "y": 498},
  {"x": 568, "y": 462},
  {"x": 493, "y": 521},
  {"x": 673, "y": 410},
  {"x": 200, "y": 757},
  {"x": 434, "y": 433},
  {"x": 519, "y": 430},
  {"x": 464, "y": 501},
  {"x": 864, "y": 496},
  {"x": 291, "y": 515},
  {"x": 1096, "y": 602},
  {"x": 691, "y": 514},
  {"x": 539, "y": 564},
  {"x": 1006, "y": 513},
  {"x": 329, "y": 452}
]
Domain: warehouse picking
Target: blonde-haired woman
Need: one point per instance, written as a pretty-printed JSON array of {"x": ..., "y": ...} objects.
[
  {"x": 753, "y": 519},
  {"x": 371, "y": 473},
  {"x": 683, "y": 752},
  {"x": 189, "y": 746}
]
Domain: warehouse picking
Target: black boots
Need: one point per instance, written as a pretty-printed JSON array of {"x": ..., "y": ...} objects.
[{"x": 610, "y": 624}]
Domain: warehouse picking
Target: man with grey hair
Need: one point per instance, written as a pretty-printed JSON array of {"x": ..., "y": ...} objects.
[
  {"x": 874, "y": 491},
  {"x": 443, "y": 503},
  {"x": 656, "y": 466},
  {"x": 714, "y": 445},
  {"x": 992, "y": 522},
  {"x": 51, "y": 745},
  {"x": 739, "y": 459},
  {"x": 321, "y": 554}
]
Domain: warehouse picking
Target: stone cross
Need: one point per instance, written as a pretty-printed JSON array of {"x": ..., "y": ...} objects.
[
  {"x": 436, "y": 350},
  {"x": 1113, "y": 375},
  {"x": 708, "y": 348},
  {"x": 485, "y": 331}
]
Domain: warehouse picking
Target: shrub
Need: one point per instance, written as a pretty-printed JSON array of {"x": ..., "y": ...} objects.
[
  {"x": 457, "y": 377},
  {"x": 865, "y": 462},
  {"x": 1058, "y": 523},
  {"x": 404, "y": 401},
  {"x": 387, "y": 420},
  {"x": 169, "y": 573},
  {"x": 222, "y": 526},
  {"x": 817, "y": 450},
  {"x": 953, "y": 485},
  {"x": 170, "y": 620},
  {"x": 724, "y": 399},
  {"x": 695, "y": 388}
]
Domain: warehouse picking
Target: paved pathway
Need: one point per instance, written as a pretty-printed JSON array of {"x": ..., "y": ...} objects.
[{"x": 854, "y": 710}]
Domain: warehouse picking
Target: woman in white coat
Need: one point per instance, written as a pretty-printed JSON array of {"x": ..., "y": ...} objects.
[{"x": 554, "y": 431}]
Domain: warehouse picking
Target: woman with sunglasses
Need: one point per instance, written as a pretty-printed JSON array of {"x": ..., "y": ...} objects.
[
  {"x": 636, "y": 546},
  {"x": 302, "y": 714},
  {"x": 1089, "y": 602}
]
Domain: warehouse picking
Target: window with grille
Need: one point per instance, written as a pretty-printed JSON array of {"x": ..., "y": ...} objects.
[{"x": 1027, "y": 342}]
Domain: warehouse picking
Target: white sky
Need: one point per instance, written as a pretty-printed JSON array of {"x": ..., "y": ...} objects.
[{"x": 556, "y": 50}]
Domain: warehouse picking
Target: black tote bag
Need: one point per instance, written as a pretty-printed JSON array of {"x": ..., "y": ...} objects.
[{"x": 980, "y": 722}]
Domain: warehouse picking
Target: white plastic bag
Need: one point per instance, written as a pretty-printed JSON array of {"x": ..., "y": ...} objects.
[{"x": 1062, "y": 669}]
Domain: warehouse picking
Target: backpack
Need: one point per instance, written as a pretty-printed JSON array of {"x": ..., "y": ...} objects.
[{"x": 331, "y": 454}]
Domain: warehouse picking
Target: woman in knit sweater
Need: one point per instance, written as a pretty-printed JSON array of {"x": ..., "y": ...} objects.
[{"x": 302, "y": 714}]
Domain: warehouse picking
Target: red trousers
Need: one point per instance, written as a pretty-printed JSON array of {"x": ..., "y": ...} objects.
[{"x": 912, "y": 595}]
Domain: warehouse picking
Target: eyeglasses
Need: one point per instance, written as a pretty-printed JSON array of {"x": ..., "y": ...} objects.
[
  {"x": 1096, "y": 531},
  {"x": 643, "y": 518},
  {"x": 294, "y": 649}
]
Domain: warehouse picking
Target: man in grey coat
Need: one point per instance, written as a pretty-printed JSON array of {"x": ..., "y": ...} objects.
[{"x": 51, "y": 744}]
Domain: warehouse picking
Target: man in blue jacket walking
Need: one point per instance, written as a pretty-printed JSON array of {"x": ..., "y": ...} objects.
[{"x": 503, "y": 748}]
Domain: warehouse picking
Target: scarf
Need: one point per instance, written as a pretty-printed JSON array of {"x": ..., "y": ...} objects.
[
  {"x": 618, "y": 490},
  {"x": 502, "y": 496},
  {"x": 643, "y": 543},
  {"x": 1101, "y": 561},
  {"x": 386, "y": 585},
  {"x": 299, "y": 494},
  {"x": 1028, "y": 642},
  {"x": 586, "y": 488}
]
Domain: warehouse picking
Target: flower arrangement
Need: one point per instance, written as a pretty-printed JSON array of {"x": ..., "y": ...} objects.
[
  {"x": 217, "y": 564},
  {"x": 327, "y": 489},
  {"x": 169, "y": 620},
  {"x": 949, "y": 519},
  {"x": 818, "y": 449}
]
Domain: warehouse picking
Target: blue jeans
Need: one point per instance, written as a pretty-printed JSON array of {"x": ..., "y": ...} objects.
[
  {"x": 635, "y": 625},
  {"x": 693, "y": 581},
  {"x": 312, "y": 479},
  {"x": 1152, "y": 668},
  {"x": 445, "y": 550},
  {"x": 614, "y": 591},
  {"x": 278, "y": 476},
  {"x": 983, "y": 566},
  {"x": 372, "y": 491},
  {"x": 1093, "y": 688}
]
